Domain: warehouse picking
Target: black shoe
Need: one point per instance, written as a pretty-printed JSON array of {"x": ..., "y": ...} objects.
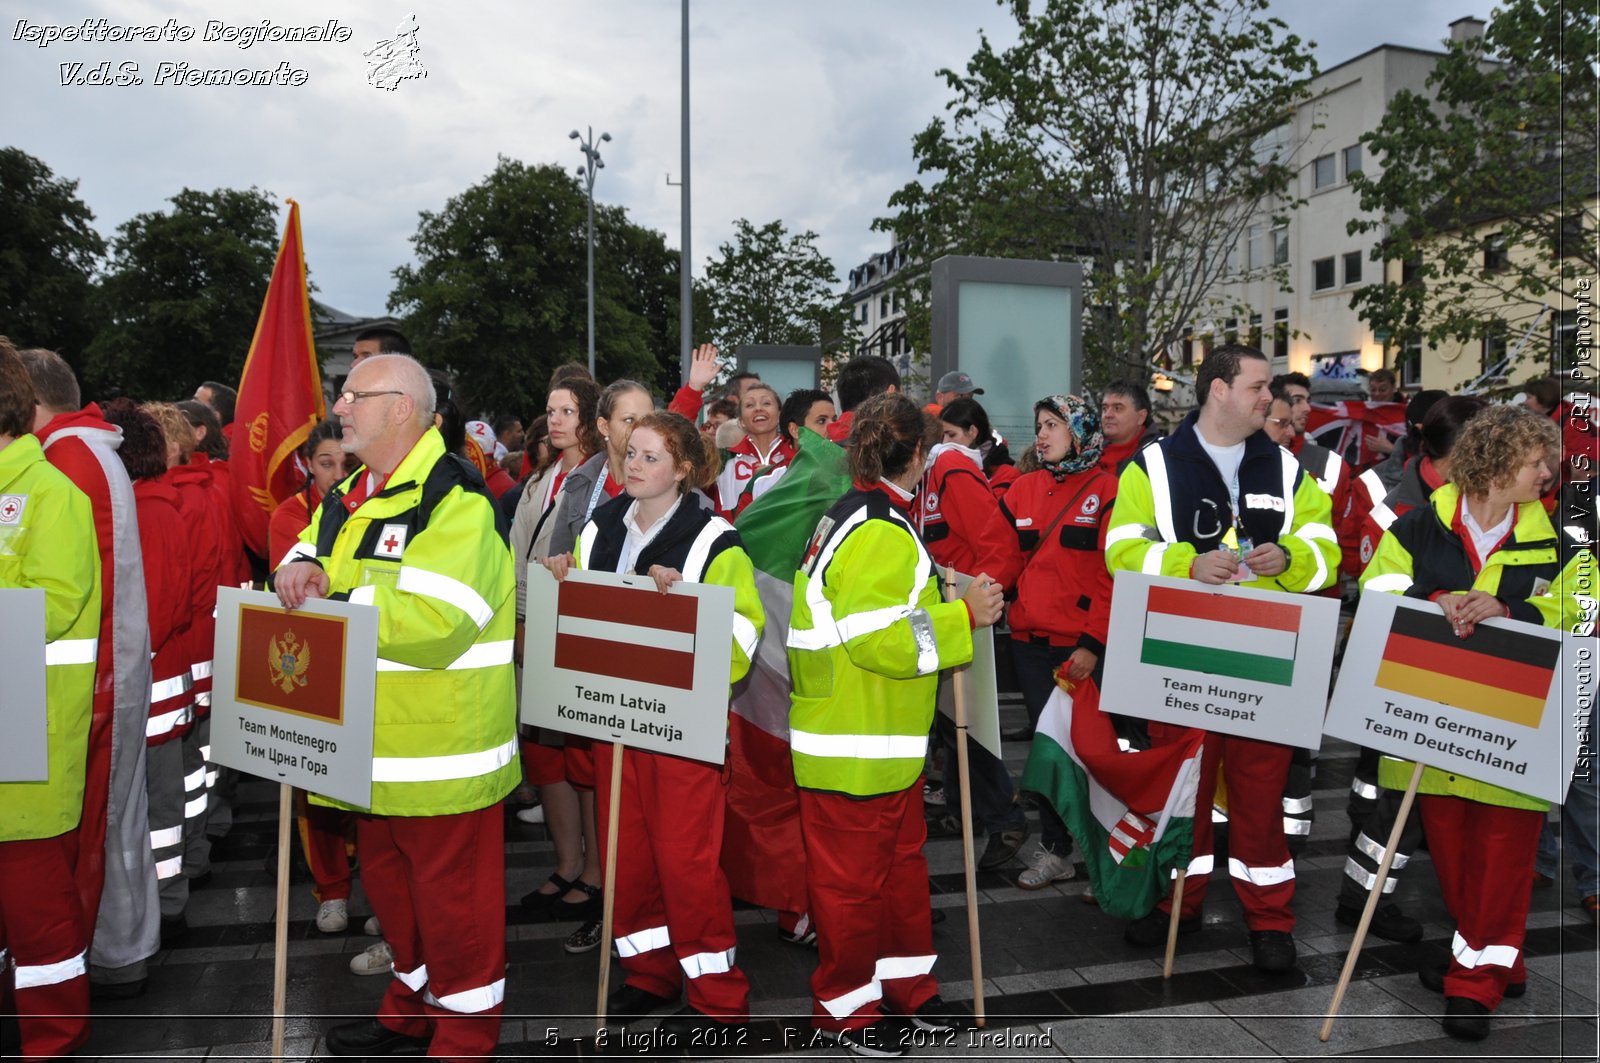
[
  {"x": 938, "y": 1016},
  {"x": 579, "y": 911},
  {"x": 369, "y": 1037},
  {"x": 541, "y": 903},
  {"x": 1152, "y": 929},
  {"x": 1432, "y": 978},
  {"x": 936, "y": 916},
  {"x": 1003, "y": 846},
  {"x": 1465, "y": 1020},
  {"x": 689, "y": 1028},
  {"x": 945, "y": 826},
  {"x": 631, "y": 1003},
  {"x": 1272, "y": 950},
  {"x": 880, "y": 1040},
  {"x": 1388, "y": 922}
]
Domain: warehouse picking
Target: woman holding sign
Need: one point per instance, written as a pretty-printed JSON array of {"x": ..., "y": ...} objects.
[
  {"x": 1483, "y": 548},
  {"x": 867, "y": 638},
  {"x": 673, "y": 912}
]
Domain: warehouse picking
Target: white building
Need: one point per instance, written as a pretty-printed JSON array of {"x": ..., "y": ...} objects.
[{"x": 878, "y": 308}]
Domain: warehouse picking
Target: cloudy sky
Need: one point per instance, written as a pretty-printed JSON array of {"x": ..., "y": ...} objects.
[{"x": 802, "y": 111}]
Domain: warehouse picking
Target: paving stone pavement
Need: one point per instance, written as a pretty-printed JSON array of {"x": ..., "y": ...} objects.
[{"x": 1059, "y": 981}]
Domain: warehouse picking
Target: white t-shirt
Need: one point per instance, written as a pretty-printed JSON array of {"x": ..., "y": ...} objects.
[
  {"x": 637, "y": 540},
  {"x": 1227, "y": 460}
]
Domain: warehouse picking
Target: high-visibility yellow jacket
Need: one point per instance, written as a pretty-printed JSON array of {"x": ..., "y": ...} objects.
[
  {"x": 47, "y": 541},
  {"x": 444, "y": 733},
  {"x": 1422, "y": 555},
  {"x": 867, "y": 638}
]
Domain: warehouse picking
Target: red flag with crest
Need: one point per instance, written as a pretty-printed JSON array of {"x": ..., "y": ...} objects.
[{"x": 280, "y": 395}]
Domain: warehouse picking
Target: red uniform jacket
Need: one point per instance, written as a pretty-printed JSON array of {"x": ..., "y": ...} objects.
[
  {"x": 169, "y": 575},
  {"x": 1064, "y": 592},
  {"x": 197, "y": 506},
  {"x": 234, "y": 563},
  {"x": 961, "y": 520}
]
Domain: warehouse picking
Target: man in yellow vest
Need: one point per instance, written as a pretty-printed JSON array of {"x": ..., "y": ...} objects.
[
  {"x": 47, "y": 541},
  {"x": 413, "y": 533}
]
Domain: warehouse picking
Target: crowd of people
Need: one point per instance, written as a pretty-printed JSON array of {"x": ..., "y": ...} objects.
[{"x": 121, "y": 514}]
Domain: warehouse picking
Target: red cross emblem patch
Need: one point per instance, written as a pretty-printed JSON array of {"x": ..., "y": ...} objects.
[
  {"x": 392, "y": 543},
  {"x": 11, "y": 507}
]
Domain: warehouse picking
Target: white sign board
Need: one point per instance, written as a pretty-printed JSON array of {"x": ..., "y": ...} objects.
[
  {"x": 25, "y": 753},
  {"x": 1488, "y": 706},
  {"x": 611, "y": 658},
  {"x": 980, "y": 683},
  {"x": 1229, "y": 659},
  {"x": 292, "y": 692}
]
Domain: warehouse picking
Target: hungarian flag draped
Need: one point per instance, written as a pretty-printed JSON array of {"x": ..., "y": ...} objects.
[
  {"x": 763, "y": 854},
  {"x": 1131, "y": 811},
  {"x": 1343, "y": 427},
  {"x": 280, "y": 395}
]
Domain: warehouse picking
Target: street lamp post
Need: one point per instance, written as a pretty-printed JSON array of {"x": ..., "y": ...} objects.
[{"x": 593, "y": 164}]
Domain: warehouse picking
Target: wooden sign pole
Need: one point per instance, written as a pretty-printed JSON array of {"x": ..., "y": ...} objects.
[
  {"x": 280, "y": 948},
  {"x": 610, "y": 886},
  {"x": 968, "y": 862},
  {"x": 1172, "y": 923}
]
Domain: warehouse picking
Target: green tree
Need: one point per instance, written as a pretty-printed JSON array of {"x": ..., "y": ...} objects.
[
  {"x": 768, "y": 286},
  {"x": 183, "y": 293},
  {"x": 48, "y": 254},
  {"x": 1138, "y": 137},
  {"x": 1487, "y": 186},
  {"x": 499, "y": 291}
]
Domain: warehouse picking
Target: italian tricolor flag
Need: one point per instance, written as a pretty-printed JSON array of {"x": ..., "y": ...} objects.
[
  {"x": 1183, "y": 628},
  {"x": 1131, "y": 811}
]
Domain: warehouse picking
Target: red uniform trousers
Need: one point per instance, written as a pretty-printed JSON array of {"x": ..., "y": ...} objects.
[
  {"x": 543, "y": 765},
  {"x": 868, "y": 883},
  {"x": 323, "y": 838},
  {"x": 437, "y": 884},
  {"x": 43, "y": 928},
  {"x": 1258, "y": 853},
  {"x": 1483, "y": 855},
  {"x": 673, "y": 914},
  {"x": 90, "y": 871}
]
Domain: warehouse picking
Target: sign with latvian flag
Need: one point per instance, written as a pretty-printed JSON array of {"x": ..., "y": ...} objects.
[
  {"x": 611, "y": 658},
  {"x": 293, "y": 691},
  {"x": 24, "y": 755},
  {"x": 1224, "y": 658},
  {"x": 1488, "y": 706}
]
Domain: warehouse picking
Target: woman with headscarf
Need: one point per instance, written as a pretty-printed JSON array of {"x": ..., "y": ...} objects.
[{"x": 1063, "y": 606}]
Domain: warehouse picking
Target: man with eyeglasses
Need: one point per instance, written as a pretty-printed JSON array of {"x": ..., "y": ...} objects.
[
  {"x": 1218, "y": 502},
  {"x": 1331, "y": 471},
  {"x": 413, "y": 533}
]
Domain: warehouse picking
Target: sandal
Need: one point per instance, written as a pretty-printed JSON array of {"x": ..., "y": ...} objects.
[
  {"x": 584, "y": 939},
  {"x": 539, "y": 901},
  {"x": 582, "y": 911}
]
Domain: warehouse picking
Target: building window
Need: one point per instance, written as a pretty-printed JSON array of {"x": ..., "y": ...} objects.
[
  {"x": 1253, "y": 338},
  {"x": 1494, "y": 346},
  {"x": 1352, "y": 161},
  {"x": 1186, "y": 347},
  {"x": 1322, "y": 275},
  {"x": 1271, "y": 146},
  {"x": 1280, "y": 245},
  {"x": 1322, "y": 171},
  {"x": 883, "y": 306},
  {"x": 1230, "y": 330},
  {"x": 1495, "y": 256},
  {"x": 1569, "y": 240},
  {"x": 1231, "y": 263},
  {"x": 1255, "y": 247},
  {"x": 1564, "y": 347},
  {"x": 1280, "y": 333},
  {"x": 1352, "y": 267},
  {"x": 1410, "y": 362}
]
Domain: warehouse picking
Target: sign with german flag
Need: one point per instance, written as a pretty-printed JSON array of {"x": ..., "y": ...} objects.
[
  {"x": 611, "y": 658},
  {"x": 1223, "y": 658},
  {"x": 292, "y": 692},
  {"x": 1488, "y": 706},
  {"x": 24, "y": 719}
]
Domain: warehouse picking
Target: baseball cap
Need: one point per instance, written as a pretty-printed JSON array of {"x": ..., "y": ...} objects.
[{"x": 958, "y": 382}]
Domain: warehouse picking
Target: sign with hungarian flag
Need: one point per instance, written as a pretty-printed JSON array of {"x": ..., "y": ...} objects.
[
  {"x": 280, "y": 396},
  {"x": 1132, "y": 811},
  {"x": 293, "y": 691},
  {"x": 1223, "y": 658},
  {"x": 611, "y": 658},
  {"x": 1489, "y": 706}
]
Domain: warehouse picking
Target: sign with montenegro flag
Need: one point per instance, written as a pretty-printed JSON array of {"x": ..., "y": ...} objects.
[
  {"x": 1488, "y": 706},
  {"x": 280, "y": 395}
]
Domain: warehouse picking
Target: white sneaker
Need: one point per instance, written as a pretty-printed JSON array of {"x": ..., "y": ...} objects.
[
  {"x": 373, "y": 928},
  {"x": 333, "y": 917},
  {"x": 534, "y": 815},
  {"x": 378, "y": 959},
  {"x": 1044, "y": 868}
]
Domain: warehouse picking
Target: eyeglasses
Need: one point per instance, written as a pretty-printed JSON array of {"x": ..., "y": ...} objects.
[
  {"x": 350, "y": 398},
  {"x": 1281, "y": 422}
]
